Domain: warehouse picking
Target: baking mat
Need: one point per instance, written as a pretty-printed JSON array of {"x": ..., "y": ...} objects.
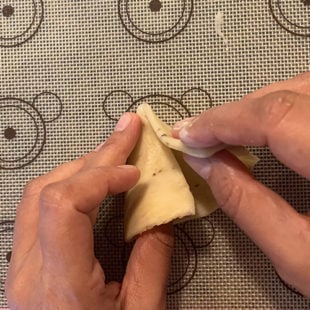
[{"x": 69, "y": 69}]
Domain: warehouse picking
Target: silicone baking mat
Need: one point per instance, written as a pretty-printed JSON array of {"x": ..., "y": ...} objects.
[{"x": 69, "y": 69}]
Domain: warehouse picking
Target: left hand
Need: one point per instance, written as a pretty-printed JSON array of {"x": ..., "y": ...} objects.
[{"x": 53, "y": 265}]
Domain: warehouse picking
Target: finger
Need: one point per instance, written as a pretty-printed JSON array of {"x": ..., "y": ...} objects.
[
  {"x": 279, "y": 120},
  {"x": 265, "y": 217},
  {"x": 299, "y": 84},
  {"x": 116, "y": 149},
  {"x": 121, "y": 143},
  {"x": 65, "y": 228},
  {"x": 145, "y": 282},
  {"x": 27, "y": 213}
]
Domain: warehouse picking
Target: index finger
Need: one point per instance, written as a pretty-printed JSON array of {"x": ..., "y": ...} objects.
[
  {"x": 299, "y": 84},
  {"x": 116, "y": 149},
  {"x": 279, "y": 120},
  {"x": 114, "y": 152}
]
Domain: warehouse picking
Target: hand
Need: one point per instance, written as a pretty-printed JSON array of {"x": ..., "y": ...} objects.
[
  {"x": 53, "y": 265},
  {"x": 278, "y": 116}
]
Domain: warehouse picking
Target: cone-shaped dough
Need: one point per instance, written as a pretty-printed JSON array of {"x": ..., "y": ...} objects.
[
  {"x": 205, "y": 203},
  {"x": 168, "y": 189},
  {"x": 162, "y": 193}
]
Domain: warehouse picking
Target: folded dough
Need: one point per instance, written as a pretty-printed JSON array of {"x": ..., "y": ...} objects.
[{"x": 168, "y": 189}]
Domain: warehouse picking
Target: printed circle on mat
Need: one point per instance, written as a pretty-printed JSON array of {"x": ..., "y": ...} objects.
[
  {"x": 166, "y": 107},
  {"x": 292, "y": 15},
  {"x": 155, "y": 21},
  {"x": 19, "y": 21},
  {"x": 22, "y": 133},
  {"x": 182, "y": 270}
]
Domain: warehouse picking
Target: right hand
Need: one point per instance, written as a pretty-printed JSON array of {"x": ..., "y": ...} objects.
[{"x": 278, "y": 116}]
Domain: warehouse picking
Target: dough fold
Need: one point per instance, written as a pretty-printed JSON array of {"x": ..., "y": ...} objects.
[{"x": 168, "y": 189}]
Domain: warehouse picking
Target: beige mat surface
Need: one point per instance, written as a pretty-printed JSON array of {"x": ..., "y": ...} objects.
[{"x": 68, "y": 69}]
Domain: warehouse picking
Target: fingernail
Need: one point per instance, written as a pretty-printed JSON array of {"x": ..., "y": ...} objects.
[
  {"x": 185, "y": 137},
  {"x": 184, "y": 128},
  {"x": 202, "y": 166},
  {"x": 99, "y": 147},
  {"x": 205, "y": 171},
  {"x": 123, "y": 122},
  {"x": 183, "y": 123},
  {"x": 127, "y": 167}
]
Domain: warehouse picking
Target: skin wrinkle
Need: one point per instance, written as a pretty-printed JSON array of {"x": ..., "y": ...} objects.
[
  {"x": 285, "y": 124},
  {"x": 231, "y": 193},
  {"x": 131, "y": 288},
  {"x": 137, "y": 272},
  {"x": 277, "y": 108}
]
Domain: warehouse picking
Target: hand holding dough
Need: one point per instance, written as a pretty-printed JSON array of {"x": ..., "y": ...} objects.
[{"x": 168, "y": 189}]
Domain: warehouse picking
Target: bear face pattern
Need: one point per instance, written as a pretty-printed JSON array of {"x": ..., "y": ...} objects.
[
  {"x": 23, "y": 128},
  {"x": 155, "y": 21},
  {"x": 165, "y": 106},
  {"x": 19, "y": 21},
  {"x": 292, "y": 15}
]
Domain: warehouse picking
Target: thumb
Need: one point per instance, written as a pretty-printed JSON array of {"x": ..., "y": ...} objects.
[{"x": 264, "y": 216}]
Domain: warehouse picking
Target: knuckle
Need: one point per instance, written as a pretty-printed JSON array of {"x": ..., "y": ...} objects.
[
  {"x": 113, "y": 144},
  {"x": 33, "y": 187},
  {"x": 277, "y": 106},
  {"x": 53, "y": 196},
  {"x": 305, "y": 228},
  {"x": 82, "y": 161},
  {"x": 230, "y": 198}
]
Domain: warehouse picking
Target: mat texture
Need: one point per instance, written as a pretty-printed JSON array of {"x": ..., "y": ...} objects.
[{"x": 69, "y": 69}]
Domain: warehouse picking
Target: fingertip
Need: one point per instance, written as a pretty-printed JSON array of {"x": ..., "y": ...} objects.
[
  {"x": 201, "y": 165},
  {"x": 131, "y": 171},
  {"x": 113, "y": 289},
  {"x": 123, "y": 122},
  {"x": 155, "y": 244},
  {"x": 135, "y": 125},
  {"x": 127, "y": 120},
  {"x": 177, "y": 127},
  {"x": 135, "y": 117},
  {"x": 136, "y": 120}
]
